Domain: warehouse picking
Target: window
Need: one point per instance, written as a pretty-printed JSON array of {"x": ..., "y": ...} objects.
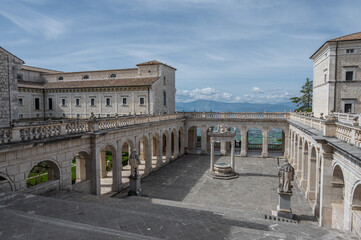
[
  {"x": 113, "y": 75},
  {"x": 21, "y": 115},
  {"x": 164, "y": 98},
  {"x": 350, "y": 50},
  {"x": 77, "y": 102},
  {"x": 108, "y": 115},
  {"x": 20, "y": 101},
  {"x": 50, "y": 103},
  {"x": 325, "y": 77},
  {"x": 37, "y": 103},
  {"x": 86, "y": 77},
  {"x": 124, "y": 101},
  {"x": 60, "y": 78},
  {"x": 92, "y": 102},
  {"x": 348, "y": 108},
  {"x": 149, "y": 71},
  {"x": 349, "y": 75},
  {"x": 19, "y": 77},
  {"x": 64, "y": 115},
  {"x": 107, "y": 102},
  {"x": 63, "y": 102},
  {"x": 164, "y": 81},
  {"x": 141, "y": 101}
]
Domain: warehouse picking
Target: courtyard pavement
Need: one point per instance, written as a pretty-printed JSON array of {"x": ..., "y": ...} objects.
[{"x": 187, "y": 180}]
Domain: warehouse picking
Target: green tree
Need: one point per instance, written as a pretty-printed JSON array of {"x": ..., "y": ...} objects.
[{"x": 304, "y": 102}]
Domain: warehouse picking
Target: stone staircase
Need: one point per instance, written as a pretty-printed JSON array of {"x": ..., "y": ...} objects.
[{"x": 144, "y": 218}]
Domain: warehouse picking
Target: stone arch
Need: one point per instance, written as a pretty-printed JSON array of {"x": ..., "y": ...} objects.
[
  {"x": 254, "y": 140},
  {"x": 194, "y": 139},
  {"x": 155, "y": 150},
  {"x": 108, "y": 168},
  {"x": 82, "y": 171},
  {"x": 338, "y": 193},
  {"x": 44, "y": 171},
  {"x": 6, "y": 185},
  {"x": 276, "y": 141},
  {"x": 181, "y": 140},
  {"x": 304, "y": 169},
  {"x": 312, "y": 172},
  {"x": 125, "y": 148},
  {"x": 174, "y": 142},
  {"x": 143, "y": 151},
  {"x": 356, "y": 208},
  {"x": 166, "y": 146}
]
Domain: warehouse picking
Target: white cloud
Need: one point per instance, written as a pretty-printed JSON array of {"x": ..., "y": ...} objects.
[
  {"x": 270, "y": 96},
  {"x": 33, "y": 21},
  {"x": 256, "y": 90}
]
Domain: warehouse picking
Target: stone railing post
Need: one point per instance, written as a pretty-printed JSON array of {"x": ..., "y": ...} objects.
[
  {"x": 15, "y": 135},
  {"x": 63, "y": 128},
  {"x": 93, "y": 126},
  {"x": 329, "y": 129}
]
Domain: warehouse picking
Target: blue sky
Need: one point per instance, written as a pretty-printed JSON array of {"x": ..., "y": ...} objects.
[{"x": 229, "y": 50}]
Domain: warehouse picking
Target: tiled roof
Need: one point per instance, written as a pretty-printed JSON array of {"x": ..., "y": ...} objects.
[
  {"x": 22, "y": 84},
  {"x": 154, "y": 62},
  {"x": 350, "y": 37},
  {"x": 36, "y": 69},
  {"x": 126, "y": 82}
]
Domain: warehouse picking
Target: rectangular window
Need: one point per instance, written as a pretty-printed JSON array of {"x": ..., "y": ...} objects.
[
  {"x": 20, "y": 101},
  {"x": 21, "y": 115},
  {"x": 77, "y": 102},
  {"x": 164, "y": 98},
  {"x": 348, "y": 108},
  {"x": 350, "y": 50},
  {"x": 141, "y": 101},
  {"x": 92, "y": 102},
  {"x": 63, "y": 102},
  {"x": 37, "y": 103},
  {"x": 50, "y": 103},
  {"x": 349, "y": 75},
  {"x": 107, "y": 102},
  {"x": 164, "y": 81},
  {"x": 325, "y": 77},
  {"x": 124, "y": 101}
]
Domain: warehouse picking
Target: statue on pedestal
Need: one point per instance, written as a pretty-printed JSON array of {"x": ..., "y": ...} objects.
[
  {"x": 285, "y": 175},
  {"x": 134, "y": 188},
  {"x": 134, "y": 162}
]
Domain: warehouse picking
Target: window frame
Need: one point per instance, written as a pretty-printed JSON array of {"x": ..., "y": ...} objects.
[
  {"x": 20, "y": 101},
  {"x": 164, "y": 98},
  {"x": 63, "y": 102},
  {"x": 36, "y": 103},
  {"x": 50, "y": 104},
  {"x": 140, "y": 101},
  {"x": 77, "y": 102},
  {"x": 350, "y": 50},
  {"x": 124, "y": 101},
  {"x": 92, "y": 102},
  {"x": 106, "y": 101}
]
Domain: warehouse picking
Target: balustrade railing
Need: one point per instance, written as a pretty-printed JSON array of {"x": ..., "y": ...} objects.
[
  {"x": 233, "y": 115},
  {"x": 308, "y": 120}
]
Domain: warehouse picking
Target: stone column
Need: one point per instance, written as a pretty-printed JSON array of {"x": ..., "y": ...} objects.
[
  {"x": 204, "y": 140},
  {"x": 148, "y": 157},
  {"x": 286, "y": 144},
  {"x": 265, "y": 142},
  {"x": 103, "y": 164},
  {"x": 233, "y": 166},
  {"x": 160, "y": 151},
  {"x": 326, "y": 191},
  {"x": 169, "y": 147},
  {"x": 299, "y": 160},
  {"x": 212, "y": 156},
  {"x": 176, "y": 144},
  {"x": 95, "y": 169},
  {"x": 291, "y": 148},
  {"x": 223, "y": 148},
  {"x": 80, "y": 169},
  {"x": 185, "y": 141},
  {"x": 117, "y": 169},
  {"x": 244, "y": 142}
]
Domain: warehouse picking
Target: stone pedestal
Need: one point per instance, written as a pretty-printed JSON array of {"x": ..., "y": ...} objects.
[
  {"x": 284, "y": 205},
  {"x": 134, "y": 186}
]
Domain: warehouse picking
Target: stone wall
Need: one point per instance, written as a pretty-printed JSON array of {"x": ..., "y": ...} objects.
[{"x": 9, "y": 66}]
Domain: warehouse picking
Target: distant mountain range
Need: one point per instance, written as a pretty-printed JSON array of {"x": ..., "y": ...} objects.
[{"x": 208, "y": 105}]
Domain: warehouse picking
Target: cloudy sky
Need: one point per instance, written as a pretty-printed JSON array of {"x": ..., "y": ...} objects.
[{"x": 229, "y": 50}]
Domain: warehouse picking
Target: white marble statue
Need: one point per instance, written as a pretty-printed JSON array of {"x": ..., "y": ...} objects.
[{"x": 285, "y": 175}]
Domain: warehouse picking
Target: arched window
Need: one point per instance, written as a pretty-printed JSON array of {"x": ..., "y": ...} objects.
[
  {"x": 113, "y": 75},
  {"x": 60, "y": 78},
  {"x": 86, "y": 77}
]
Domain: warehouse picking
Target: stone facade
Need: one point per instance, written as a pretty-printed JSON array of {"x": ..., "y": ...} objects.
[
  {"x": 148, "y": 89},
  {"x": 332, "y": 89},
  {"x": 9, "y": 65}
]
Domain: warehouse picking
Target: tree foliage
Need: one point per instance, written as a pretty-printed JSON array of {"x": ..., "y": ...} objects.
[{"x": 304, "y": 102}]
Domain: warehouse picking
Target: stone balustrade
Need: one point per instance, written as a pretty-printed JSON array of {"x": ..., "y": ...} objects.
[
  {"x": 236, "y": 115},
  {"x": 308, "y": 120},
  {"x": 26, "y": 131}
]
